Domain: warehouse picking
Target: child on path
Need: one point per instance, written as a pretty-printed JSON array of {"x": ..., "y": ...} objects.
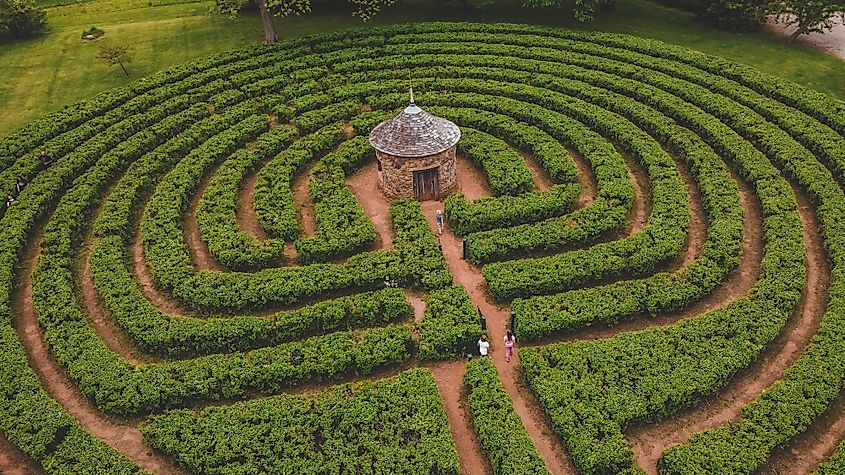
[
  {"x": 483, "y": 345},
  {"x": 439, "y": 217},
  {"x": 19, "y": 183},
  {"x": 9, "y": 200},
  {"x": 510, "y": 339}
]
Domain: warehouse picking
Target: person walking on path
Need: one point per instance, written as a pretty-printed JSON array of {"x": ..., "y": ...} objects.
[
  {"x": 44, "y": 159},
  {"x": 510, "y": 339},
  {"x": 9, "y": 200},
  {"x": 483, "y": 345},
  {"x": 19, "y": 183},
  {"x": 439, "y": 217}
]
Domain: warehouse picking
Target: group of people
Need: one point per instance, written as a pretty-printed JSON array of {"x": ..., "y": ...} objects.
[
  {"x": 44, "y": 160},
  {"x": 509, "y": 340}
]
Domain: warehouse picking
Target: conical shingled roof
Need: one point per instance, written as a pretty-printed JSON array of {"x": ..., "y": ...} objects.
[{"x": 414, "y": 133}]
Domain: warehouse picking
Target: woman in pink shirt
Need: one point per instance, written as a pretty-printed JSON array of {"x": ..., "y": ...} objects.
[{"x": 509, "y": 342}]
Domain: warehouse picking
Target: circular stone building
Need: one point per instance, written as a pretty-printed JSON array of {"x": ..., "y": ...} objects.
[{"x": 415, "y": 152}]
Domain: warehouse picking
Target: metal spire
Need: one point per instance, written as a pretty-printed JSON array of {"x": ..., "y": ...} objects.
[{"x": 411, "y": 86}]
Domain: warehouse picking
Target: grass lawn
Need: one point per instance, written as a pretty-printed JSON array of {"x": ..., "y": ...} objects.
[{"x": 43, "y": 74}]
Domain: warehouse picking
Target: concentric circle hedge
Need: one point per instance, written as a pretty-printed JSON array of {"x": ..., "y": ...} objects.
[{"x": 252, "y": 350}]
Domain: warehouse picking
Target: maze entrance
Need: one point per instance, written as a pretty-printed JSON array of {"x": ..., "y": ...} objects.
[{"x": 426, "y": 184}]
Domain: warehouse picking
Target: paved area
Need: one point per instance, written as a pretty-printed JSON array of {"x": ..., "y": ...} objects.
[{"x": 832, "y": 41}]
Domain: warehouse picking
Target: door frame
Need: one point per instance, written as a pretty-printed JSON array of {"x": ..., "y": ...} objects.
[{"x": 436, "y": 182}]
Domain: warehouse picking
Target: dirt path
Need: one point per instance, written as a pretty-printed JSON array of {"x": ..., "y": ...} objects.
[
  {"x": 472, "y": 182},
  {"x": 450, "y": 382},
  {"x": 307, "y": 216},
  {"x": 698, "y": 220},
  {"x": 814, "y": 446},
  {"x": 123, "y": 437},
  {"x": 142, "y": 272},
  {"x": 586, "y": 178},
  {"x": 641, "y": 209},
  {"x": 105, "y": 325},
  {"x": 247, "y": 219},
  {"x": 364, "y": 185},
  {"x": 200, "y": 255},
  {"x": 15, "y": 462},
  {"x": 542, "y": 179},
  {"x": 525, "y": 404},
  {"x": 650, "y": 441}
]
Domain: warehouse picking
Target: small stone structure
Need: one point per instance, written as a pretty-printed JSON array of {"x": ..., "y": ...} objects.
[{"x": 416, "y": 154}]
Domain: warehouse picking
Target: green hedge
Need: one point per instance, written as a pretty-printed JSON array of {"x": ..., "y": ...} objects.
[
  {"x": 395, "y": 425},
  {"x": 500, "y": 430}
]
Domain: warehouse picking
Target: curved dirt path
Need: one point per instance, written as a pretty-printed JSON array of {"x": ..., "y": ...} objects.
[
  {"x": 142, "y": 273},
  {"x": 472, "y": 182},
  {"x": 299, "y": 186},
  {"x": 542, "y": 179},
  {"x": 364, "y": 185},
  {"x": 123, "y": 437},
  {"x": 105, "y": 325},
  {"x": 15, "y": 462},
  {"x": 814, "y": 446},
  {"x": 641, "y": 208},
  {"x": 697, "y": 234},
  {"x": 586, "y": 178},
  {"x": 650, "y": 441},
  {"x": 247, "y": 219},
  {"x": 198, "y": 249}
]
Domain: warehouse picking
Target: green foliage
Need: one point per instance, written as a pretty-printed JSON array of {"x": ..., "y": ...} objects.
[
  {"x": 809, "y": 16},
  {"x": 498, "y": 426},
  {"x": 22, "y": 17},
  {"x": 115, "y": 55},
  {"x": 450, "y": 320},
  {"x": 735, "y": 15},
  {"x": 392, "y": 426}
]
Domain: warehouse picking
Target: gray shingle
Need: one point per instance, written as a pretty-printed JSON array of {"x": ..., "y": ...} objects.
[{"x": 414, "y": 133}]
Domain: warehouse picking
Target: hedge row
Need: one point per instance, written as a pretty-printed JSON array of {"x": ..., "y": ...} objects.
[
  {"x": 217, "y": 210},
  {"x": 395, "y": 425},
  {"x": 158, "y": 333},
  {"x": 507, "y": 173},
  {"x": 274, "y": 203},
  {"x": 343, "y": 226},
  {"x": 450, "y": 322},
  {"x": 669, "y": 375},
  {"x": 499, "y": 428}
]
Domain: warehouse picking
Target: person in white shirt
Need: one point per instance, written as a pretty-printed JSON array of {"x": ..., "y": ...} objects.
[{"x": 483, "y": 345}]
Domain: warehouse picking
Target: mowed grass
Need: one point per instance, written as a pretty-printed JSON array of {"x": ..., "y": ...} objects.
[{"x": 46, "y": 73}]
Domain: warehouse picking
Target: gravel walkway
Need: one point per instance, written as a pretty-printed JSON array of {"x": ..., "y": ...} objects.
[{"x": 832, "y": 41}]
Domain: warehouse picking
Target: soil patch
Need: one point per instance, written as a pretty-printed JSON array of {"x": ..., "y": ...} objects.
[
  {"x": 542, "y": 180},
  {"x": 15, "y": 462},
  {"x": 472, "y": 182},
  {"x": 200, "y": 255},
  {"x": 364, "y": 185},
  {"x": 247, "y": 219}
]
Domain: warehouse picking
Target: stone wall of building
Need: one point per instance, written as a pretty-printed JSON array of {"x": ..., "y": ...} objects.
[{"x": 396, "y": 177}]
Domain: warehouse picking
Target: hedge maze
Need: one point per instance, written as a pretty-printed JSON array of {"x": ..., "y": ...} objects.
[{"x": 207, "y": 279}]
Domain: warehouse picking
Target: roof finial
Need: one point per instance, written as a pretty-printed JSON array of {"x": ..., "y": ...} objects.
[{"x": 411, "y": 86}]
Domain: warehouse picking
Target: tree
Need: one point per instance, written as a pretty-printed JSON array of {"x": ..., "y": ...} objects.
[
  {"x": 583, "y": 10},
  {"x": 115, "y": 54},
  {"x": 809, "y": 16},
  {"x": 365, "y": 9},
  {"x": 735, "y": 15},
  {"x": 22, "y": 17}
]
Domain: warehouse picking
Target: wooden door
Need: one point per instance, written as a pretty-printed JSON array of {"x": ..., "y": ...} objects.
[{"x": 426, "y": 184}]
